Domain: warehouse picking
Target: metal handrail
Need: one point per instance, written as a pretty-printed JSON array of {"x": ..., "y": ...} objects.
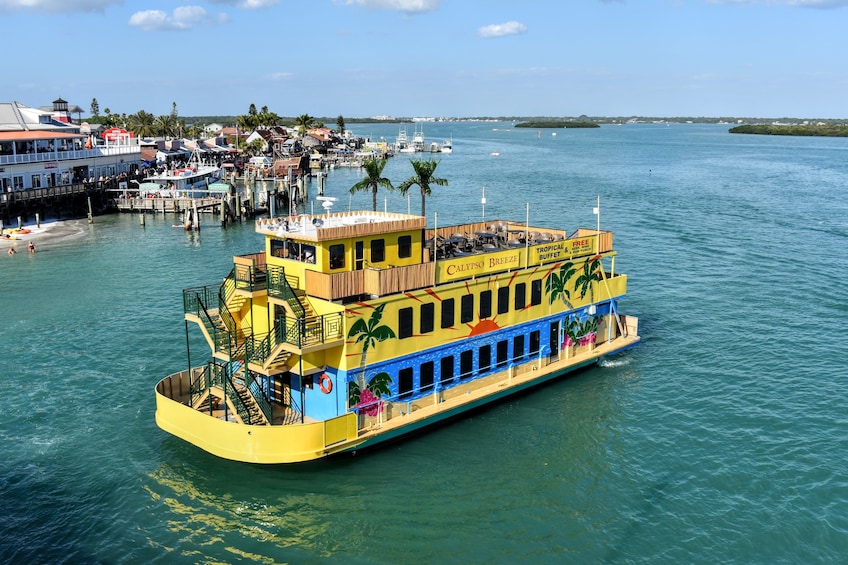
[{"x": 278, "y": 286}]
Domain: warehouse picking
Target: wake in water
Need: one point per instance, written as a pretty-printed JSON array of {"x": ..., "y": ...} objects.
[{"x": 614, "y": 363}]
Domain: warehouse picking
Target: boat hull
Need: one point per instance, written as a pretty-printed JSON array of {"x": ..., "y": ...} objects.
[{"x": 293, "y": 443}]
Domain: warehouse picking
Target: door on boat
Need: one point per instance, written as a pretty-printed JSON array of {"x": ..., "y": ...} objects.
[
  {"x": 359, "y": 255},
  {"x": 554, "y": 340}
]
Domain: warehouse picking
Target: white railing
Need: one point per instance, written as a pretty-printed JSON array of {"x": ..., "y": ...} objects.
[{"x": 58, "y": 155}]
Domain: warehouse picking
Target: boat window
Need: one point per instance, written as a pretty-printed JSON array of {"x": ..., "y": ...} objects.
[
  {"x": 484, "y": 362},
  {"x": 447, "y": 313},
  {"x": 337, "y": 256},
  {"x": 535, "y": 339},
  {"x": 518, "y": 348},
  {"x": 405, "y": 382},
  {"x": 503, "y": 353},
  {"x": 405, "y": 246},
  {"x": 428, "y": 315},
  {"x": 536, "y": 292},
  {"x": 466, "y": 312},
  {"x": 426, "y": 377},
  {"x": 446, "y": 375},
  {"x": 466, "y": 364},
  {"x": 378, "y": 250},
  {"x": 405, "y": 323},
  {"x": 486, "y": 304},
  {"x": 520, "y": 296},
  {"x": 503, "y": 300},
  {"x": 278, "y": 248}
]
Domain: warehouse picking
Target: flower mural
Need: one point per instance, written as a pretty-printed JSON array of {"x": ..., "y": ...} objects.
[
  {"x": 369, "y": 333},
  {"x": 367, "y": 398}
]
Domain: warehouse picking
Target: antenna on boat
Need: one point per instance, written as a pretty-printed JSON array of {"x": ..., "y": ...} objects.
[
  {"x": 483, "y": 202},
  {"x": 327, "y": 202},
  {"x": 597, "y": 212}
]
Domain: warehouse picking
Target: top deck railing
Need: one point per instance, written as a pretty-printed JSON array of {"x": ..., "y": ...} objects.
[{"x": 59, "y": 154}]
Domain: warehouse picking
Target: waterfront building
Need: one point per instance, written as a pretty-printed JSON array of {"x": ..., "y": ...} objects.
[{"x": 44, "y": 149}]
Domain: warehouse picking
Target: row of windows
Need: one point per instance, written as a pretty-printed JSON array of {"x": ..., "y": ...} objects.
[
  {"x": 378, "y": 251},
  {"x": 303, "y": 252},
  {"x": 466, "y": 308},
  {"x": 448, "y": 366}
]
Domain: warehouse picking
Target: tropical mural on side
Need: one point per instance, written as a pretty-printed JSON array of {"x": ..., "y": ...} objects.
[{"x": 362, "y": 395}]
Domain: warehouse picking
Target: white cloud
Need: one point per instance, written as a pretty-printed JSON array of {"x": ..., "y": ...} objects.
[
  {"x": 183, "y": 18},
  {"x": 406, "y": 6},
  {"x": 247, "y": 4},
  {"x": 500, "y": 30},
  {"x": 57, "y": 5},
  {"x": 280, "y": 75}
]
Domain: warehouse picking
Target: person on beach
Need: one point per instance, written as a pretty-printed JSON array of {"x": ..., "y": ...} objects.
[{"x": 31, "y": 247}]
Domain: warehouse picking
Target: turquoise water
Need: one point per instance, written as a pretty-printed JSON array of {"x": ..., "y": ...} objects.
[{"x": 722, "y": 438}]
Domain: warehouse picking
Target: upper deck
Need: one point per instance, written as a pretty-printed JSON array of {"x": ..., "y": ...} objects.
[{"x": 348, "y": 254}]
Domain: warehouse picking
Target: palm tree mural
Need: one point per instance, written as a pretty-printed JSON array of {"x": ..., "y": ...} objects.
[
  {"x": 423, "y": 177},
  {"x": 556, "y": 285},
  {"x": 591, "y": 273},
  {"x": 369, "y": 334},
  {"x": 374, "y": 170}
]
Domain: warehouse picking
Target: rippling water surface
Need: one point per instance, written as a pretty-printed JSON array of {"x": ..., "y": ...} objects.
[{"x": 722, "y": 438}]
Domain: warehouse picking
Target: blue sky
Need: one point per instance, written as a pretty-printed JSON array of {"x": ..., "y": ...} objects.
[{"x": 757, "y": 58}]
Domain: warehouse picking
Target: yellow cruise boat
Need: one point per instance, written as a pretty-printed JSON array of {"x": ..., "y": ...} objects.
[{"x": 354, "y": 328}]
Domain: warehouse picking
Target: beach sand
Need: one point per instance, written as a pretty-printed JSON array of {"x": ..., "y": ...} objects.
[{"x": 49, "y": 231}]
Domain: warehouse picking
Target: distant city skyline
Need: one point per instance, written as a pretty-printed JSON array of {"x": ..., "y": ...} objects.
[{"x": 434, "y": 58}]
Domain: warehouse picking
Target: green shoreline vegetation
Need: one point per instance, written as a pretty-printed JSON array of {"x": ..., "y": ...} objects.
[
  {"x": 818, "y": 130},
  {"x": 557, "y": 124},
  {"x": 173, "y": 125}
]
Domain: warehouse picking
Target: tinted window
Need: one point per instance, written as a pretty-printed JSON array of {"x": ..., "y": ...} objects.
[
  {"x": 534, "y": 342},
  {"x": 378, "y": 250},
  {"x": 337, "y": 256},
  {"x": 503, "y": 352},
  {"x": 503, "y": 300},
  {"x": 404, "y": 323},
  {"x": 520, "y": 298},
  {"x": 426, "y": 377},
  {"x": 536, "y": 292},
  {"x": 447, "y": 313},
  {"x": 405, "y": 246},
  {"x": 447, "y": 370},
  {"x": 485, "y": 360},
  {"x": 466, "y": 364},
  {"x": 486, "y": 304},
  {"x": 466, "y": 313},
  {"x": 518, "y": 348},
  {"x": 405, "y": 382},
  {"x": 428, "y": 314}
]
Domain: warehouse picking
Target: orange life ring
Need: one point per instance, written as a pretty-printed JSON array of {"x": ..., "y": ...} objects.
[{"x": 325, "y": 384}]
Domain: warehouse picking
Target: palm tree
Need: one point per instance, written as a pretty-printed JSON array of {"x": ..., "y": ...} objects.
[
  {"x": 303, "y": 123},
  {"x": 556, "y": 284},
  {"x": 369, "y": 334},
  {"x": 591, "y": 273},
  {"x": 423, "y": 178},
  {"x": 142, "y": 123},
  {"x": 166, "y": 125},
  {"x": 374, "y": 169}
]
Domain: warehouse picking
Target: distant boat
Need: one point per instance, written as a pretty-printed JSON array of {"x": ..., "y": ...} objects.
[
  {"x": 495, "y": 153},
  {"x": 418, "y": 139},
  {"x": 447, "y": 146}
]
